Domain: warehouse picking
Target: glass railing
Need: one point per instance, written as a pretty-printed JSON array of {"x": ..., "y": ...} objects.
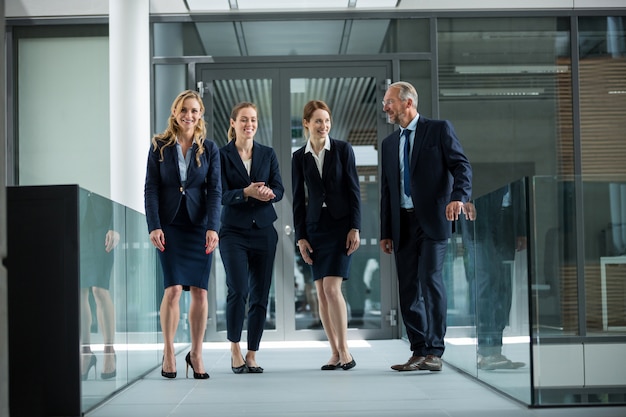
[
  {"x": 488, "y": 327},
  {"x": 537, "y": 291},
  {"x": 121, "y": 288},
  {"x": 579, "y": 289}
]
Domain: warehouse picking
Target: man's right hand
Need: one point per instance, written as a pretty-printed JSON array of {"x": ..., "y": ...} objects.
[{"x": 386, "y": 245}]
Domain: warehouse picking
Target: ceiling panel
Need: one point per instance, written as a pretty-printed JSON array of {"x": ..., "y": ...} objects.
[
  {"x": 207, "y": 5},
  {"x": 291, "y": 4},
  {"x": 293, "y": 38},
  {"x": 367, "y": 36},
  {"x": 284, "y": 38},
  {"x": 287, "y": 5}
]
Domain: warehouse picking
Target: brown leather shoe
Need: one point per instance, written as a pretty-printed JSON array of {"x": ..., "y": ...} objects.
[
  {"x": 431, "y": 363},
  {"x": 411, "y": 365}
]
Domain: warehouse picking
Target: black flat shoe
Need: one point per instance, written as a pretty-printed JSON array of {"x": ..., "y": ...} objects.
[
  {"x": 329, "y": 367},
  {"x": 164, "y": 374},
  {"x": 243, "y": 369},
  {"x": 255, "y": 370},
  {"x": 196, "y": 375},
  {"x": 349, "y": 365}
]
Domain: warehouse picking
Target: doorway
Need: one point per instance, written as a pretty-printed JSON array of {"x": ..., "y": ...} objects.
[{"x": 353, "y": 92}]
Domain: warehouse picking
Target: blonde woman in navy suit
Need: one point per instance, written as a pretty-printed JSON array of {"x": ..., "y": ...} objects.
[
  {"x": 183, "y": 191},
  {"x": 327, "y": 219},
  {"x": 251, "y": 183}
]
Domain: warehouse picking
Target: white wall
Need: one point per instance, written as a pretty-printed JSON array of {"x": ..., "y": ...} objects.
[{"x": 63, "y": 85}]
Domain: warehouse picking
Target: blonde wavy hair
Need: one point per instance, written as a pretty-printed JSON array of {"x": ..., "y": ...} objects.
[{"x": 168, "y": 136}]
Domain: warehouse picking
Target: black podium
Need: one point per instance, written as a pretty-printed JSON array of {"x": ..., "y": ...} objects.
[{"x": 43, "y": 264}]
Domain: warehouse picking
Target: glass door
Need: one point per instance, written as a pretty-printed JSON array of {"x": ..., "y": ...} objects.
[{"x": 353, "y": 93}]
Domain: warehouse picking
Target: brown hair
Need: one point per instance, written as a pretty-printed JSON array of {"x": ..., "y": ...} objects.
[
  {"x": 168, "y": 136},
  {"x": 235, "y": 112},
  {"x": 310, "y": 107}
]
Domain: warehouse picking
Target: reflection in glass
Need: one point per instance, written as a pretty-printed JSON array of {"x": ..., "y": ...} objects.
[
  {"x": 119, "y": 282},
  {"x": 99, "y": 241},
  {"x": 493, "y": 254},
  {"x": 356, "y": 124}
]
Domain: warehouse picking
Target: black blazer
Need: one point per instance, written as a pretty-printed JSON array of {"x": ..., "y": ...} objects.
[
  {"x": 440, "y": 173},
  {"x": 203, "y": 190},
  {"x": 238, "y": 211},
  {"x": 338, "y": 187}
]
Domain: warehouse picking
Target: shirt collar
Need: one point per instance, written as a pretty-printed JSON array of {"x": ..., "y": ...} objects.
[
  {"x": 309, "y": 148},
  {"x": 413, "y": 125}
]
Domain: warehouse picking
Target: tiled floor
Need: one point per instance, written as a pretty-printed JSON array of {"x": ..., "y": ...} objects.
[{"x": 293, "y": 385}]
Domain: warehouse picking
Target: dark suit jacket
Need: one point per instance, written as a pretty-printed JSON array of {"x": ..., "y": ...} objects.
[
  {"x": 338, "y": 187},
  {"x": 440, "y": 173},
  {"x": 241, "y": 212},
  {"x": 203, "y": 190}
]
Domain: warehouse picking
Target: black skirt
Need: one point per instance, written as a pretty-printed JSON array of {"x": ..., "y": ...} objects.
[
  {"x": 96, "y": 263},
  {"x": 328, "y": 240},
  {"x": 184, "y": 260}
]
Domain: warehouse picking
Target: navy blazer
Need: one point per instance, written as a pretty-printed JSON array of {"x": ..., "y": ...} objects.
[
  {"x": 338, "y": 187},
  {"x": 241, "y": 212},
  {"x": 163, "y": 190},
  {"x": 440, "y": 173}
]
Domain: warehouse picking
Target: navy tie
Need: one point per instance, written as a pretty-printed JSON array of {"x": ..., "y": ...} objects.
[{"x": 407, "y": 162}]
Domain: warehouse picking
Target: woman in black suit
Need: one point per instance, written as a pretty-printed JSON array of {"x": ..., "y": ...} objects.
[
  {"x": 182, "y": 196},
  {"x": 327, "y": 219},
  {"x": 251, "y": 183}
]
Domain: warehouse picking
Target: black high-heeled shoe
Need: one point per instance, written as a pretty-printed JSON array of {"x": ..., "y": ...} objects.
[
  {"x": 196, "y": 375},
  {"x": 92, "y": 363},
  {"x": 167, "y": 374},
  {"x": 113, "y": 373}
]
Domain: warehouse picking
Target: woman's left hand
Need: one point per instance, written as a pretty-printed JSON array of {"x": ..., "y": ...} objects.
[
  {"x": 211, "y": 241},
  {"x": 353, "y": 241}
]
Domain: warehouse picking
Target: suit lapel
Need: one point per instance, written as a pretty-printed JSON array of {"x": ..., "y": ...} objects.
[
  {"x": 395, "y": 162},
  {"x": 173, "y": 157},
  {"x": 236, "y": 161},
  {"x": 310, "y": 167},
  {"x": 329, "y": 161},
  {"x": 420, "y": 131},
  {"x": 257, "y": 161}
]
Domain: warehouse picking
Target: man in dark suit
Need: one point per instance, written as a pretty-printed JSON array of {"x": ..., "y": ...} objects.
[{"x": 419, "y": 202}]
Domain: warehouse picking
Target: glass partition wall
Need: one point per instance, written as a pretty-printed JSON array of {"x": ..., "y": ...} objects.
[
  {"x": 510, "y": 88},
  {"x": 578, "y": 291},
  {"x": 119, "y": 292},
  {"x": 487, "y": 267}
]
